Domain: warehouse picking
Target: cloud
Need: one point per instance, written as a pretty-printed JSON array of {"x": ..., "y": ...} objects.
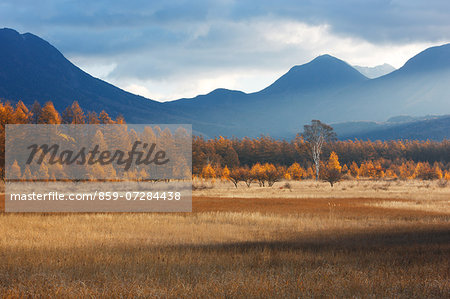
[
  {"x": 170, "y": 49},
  {"x": 139, "y": 90}
]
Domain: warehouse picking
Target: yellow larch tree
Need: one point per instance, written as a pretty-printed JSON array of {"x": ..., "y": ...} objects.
[
  {"x": 208, "y": 172},
  {"x": 14, "y": 171},
  {"x": 49, "y": 115},
  {"x": 295, "y": 172},
  {"x": 354, "y": 170},
  {"x": 225, "y": 173},
  {"x": 332, "y": 172}
]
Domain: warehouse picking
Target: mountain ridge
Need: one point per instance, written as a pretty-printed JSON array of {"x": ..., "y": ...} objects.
[{"x": 325, "y": 88}]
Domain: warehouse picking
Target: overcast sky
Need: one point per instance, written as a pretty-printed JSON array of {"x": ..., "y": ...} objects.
[{"x": 166, "y": 50}]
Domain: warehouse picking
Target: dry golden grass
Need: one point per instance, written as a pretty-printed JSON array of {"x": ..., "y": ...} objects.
[
  {"x": 410, "y": 189},
  {"x": 234, "y": 247},
  {"x": 437, "y": 206}
]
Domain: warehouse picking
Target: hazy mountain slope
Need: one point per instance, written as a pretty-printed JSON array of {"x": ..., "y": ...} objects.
[
  {"x": 418, "y": 88},
  {"x": 436, "y": 128},
  {"x": 399, "y": 127}
]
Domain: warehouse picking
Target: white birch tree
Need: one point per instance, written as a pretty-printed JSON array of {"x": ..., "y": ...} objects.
[{"x": 316, "y": 134}]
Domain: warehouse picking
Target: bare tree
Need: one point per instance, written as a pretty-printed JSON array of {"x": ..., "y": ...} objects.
[{"x": 317, "y": 133}]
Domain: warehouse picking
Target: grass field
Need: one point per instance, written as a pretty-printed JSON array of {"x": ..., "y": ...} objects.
[{"x": 280, "y": 242}]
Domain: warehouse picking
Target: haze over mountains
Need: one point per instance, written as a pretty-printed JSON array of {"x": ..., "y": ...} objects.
[
  {"x": 376, "y": 71},
  {"x": 326, "y": 88}
]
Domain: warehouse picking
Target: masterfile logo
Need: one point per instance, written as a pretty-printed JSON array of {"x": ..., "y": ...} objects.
[{"x": 98, "y": 168}]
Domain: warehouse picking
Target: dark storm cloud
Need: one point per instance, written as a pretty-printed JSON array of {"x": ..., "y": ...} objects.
[
  {"x": 95, "y": 22},
  {"x": 373, "y": 20}
]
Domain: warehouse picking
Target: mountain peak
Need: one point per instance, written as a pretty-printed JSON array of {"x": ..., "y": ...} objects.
[
  {"x": 224, "y": 91},
  {"x": 325, "y": 57},
  {"x": 11, "y": 35},
  {"x": 32, "y": 69},
  {"x": 10, "y": 31},
  {"x": 325, "y": 71}
]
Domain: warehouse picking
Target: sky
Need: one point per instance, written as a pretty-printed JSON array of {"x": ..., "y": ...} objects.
[{"x": 166, "y": 50}]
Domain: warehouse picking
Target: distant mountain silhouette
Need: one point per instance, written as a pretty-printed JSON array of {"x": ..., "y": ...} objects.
[
  {"x": 326, "y": 88},
  {"x": 32, "y": 69},
  {"x": 376, "y": 71}
]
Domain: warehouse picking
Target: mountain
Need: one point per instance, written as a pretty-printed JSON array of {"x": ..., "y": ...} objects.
[
  {"x": 303, "y": 93},
  {"x": 376, "y": 71},
  {"x": 330, "y": 90},
  {"x": 32, "y": 69},
  {"x": 434, "y": 129},
  {"x": 399, "y": 127},
  {"x": 430, "y": 60},
  {"x": 420, "y": 87},
  {"x": 323, "y": 72},
  {"x": 326, "y": 88}
]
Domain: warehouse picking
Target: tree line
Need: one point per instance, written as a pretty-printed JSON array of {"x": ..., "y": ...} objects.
[
  {"x": 233, "y": 152},
  {"x": 330, "y": 170},
  {"x": 47, "y": 114},
  {"x": 288, "y": 159}
]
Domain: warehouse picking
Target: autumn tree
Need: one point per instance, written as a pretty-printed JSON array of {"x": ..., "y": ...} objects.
[
  {"x": 42, "y": 173},
  {"x": 92, "y": 118},
  {"x": 424, "y": 171},
  {"x": 247, "y": 177},
  {"x": 6, "y": 114},
  {"x": 273, "y": 174},
  {"x": 14, "y": 171},
  {"x": 208, "y": 172},
  {"x": 36, "y": 110},
  {"x": 104, "y": 118},
  {"x": 27, "y": 176},
  {"x": 354, "y": 170},
  {"x": 332, "y": 172},
  {"x": 225, "y": 173},
  {"x": 259, "y": 174},
  {"x": 296, "y": 172},
  {"x": 447, "y": 176},
  {"x": 316, "y": 135},
  {"x": 73, "y": 114},
  {"x": 120, "y": 120},
  {"x": 236, "y": 175},
  {"x": 406, "y": 170},
  {"x": 21, "y": 115},
  {"x": 345, "y": 169},
  {"x": 49, "y": 115}
]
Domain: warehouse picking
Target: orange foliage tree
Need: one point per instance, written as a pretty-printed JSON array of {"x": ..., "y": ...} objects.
[{"x": 332, "y": 170}]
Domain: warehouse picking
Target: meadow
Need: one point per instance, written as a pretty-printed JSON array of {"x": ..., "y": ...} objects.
[{"x": 360, "y": 239}]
